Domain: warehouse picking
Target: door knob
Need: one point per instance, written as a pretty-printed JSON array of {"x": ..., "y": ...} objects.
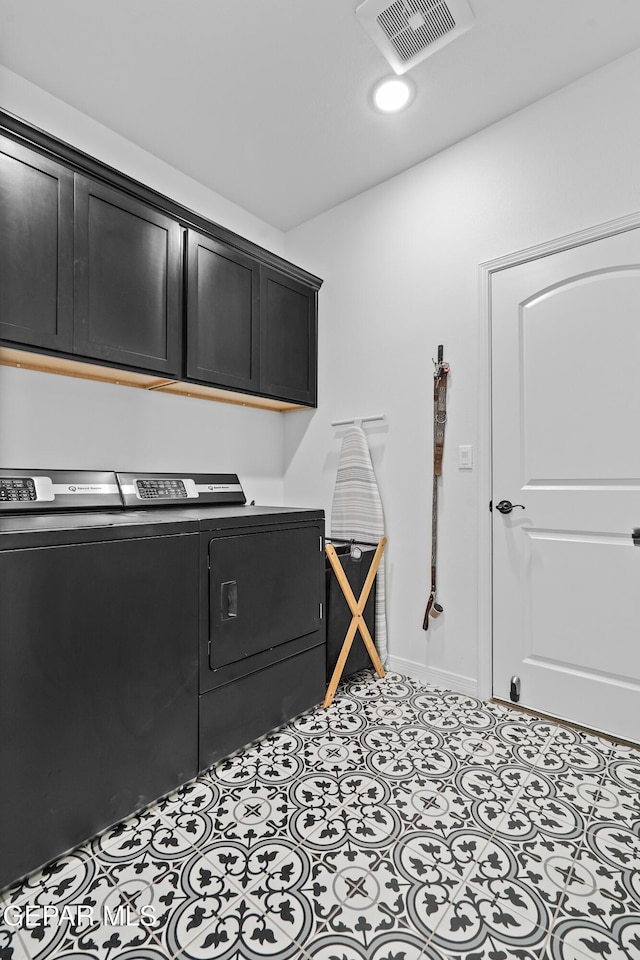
[{"x": 505, "y": 506}]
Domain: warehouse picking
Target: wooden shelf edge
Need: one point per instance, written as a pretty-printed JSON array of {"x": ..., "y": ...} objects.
[
  {"x": 45, "y": 363},
  {"x": 200, "y": 391}
]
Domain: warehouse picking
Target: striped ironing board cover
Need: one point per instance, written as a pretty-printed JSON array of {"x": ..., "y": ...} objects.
[{"x": 356, "y": 514}]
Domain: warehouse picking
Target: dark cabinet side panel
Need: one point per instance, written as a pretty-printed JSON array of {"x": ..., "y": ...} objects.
[
  {"x": 36, "y": 249},
  {"x": 222, "y": 314},
  {"x": 127, "y": 281},
  {"x": 288, "y": 335}
]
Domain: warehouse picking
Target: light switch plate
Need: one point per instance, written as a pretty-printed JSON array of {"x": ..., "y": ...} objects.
[{"x": 465, "y": 457}]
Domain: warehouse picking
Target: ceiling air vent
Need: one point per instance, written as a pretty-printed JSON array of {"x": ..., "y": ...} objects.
[{"x": 407, "y": 31}]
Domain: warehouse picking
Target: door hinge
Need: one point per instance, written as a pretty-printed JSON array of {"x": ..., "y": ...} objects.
[
  {"x": 321, "y": 547},
  {"x": 490, "y": 506},
  {"x": 321, "y": 610},
  {"x": 209, "y": 651}
]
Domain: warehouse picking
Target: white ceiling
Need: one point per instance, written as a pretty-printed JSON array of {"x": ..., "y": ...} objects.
[{"x": 267, "y": 101}]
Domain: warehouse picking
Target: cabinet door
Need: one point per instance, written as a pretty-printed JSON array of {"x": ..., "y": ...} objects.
[
  {"x": 264, "y": 590},
  {"x": 222, "y": 314},
  {"x": 127, "y": 281},
  {"x": 36, "y": 249},
  {"x": 288, "y": 338}
]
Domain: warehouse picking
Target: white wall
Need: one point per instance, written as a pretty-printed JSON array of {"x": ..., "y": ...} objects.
[
  {"x": 51, "y": 421},
  {"x": 400, "y": 264}
]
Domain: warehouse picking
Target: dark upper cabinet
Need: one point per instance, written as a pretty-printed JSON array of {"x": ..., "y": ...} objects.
[
  {"x": 222, "y": 314},
  {"x": 288, "y": 338},
  {"x": 36, "y": 248},
  {"x": 92, "y": 267},
  {"x": 128, "y": 290},
  {"x": 249, "y": 327}
]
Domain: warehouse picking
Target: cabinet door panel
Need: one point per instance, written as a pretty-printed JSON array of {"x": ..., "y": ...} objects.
[
  {"x": 127, "y": 281},
  {"x": 222, "y": 312},
  {"x": 264, "y": 591},
  {"x": 36, "y": 248},
  {"x": 240, "y": 712},
  {"x": 288, "y": 318}
]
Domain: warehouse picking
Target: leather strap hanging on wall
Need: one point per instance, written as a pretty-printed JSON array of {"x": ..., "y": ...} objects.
[{"x": 441, "y": 372}]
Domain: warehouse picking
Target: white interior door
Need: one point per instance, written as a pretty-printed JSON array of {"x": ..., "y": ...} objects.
[{"x": 566, "y": 445}]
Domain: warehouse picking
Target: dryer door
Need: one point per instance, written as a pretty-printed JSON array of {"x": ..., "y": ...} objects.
[{"x": 264, "y": 590}]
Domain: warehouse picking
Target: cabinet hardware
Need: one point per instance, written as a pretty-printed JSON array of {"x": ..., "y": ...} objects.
[{"x": 229, "y": 600}]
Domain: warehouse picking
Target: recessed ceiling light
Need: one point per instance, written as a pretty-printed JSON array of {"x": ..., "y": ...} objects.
[{"x": 393, "y": 94}]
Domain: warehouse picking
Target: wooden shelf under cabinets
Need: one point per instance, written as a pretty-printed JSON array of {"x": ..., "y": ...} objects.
[{"x": 44, "y": 363}]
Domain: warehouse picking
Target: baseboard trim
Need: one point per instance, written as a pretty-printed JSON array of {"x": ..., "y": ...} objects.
[{"x": 441, "y": 678}]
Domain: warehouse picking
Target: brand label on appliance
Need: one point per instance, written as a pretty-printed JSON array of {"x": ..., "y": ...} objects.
[
  {"x": 218, "y": 487},
  {"x": 84, "y": 488}
]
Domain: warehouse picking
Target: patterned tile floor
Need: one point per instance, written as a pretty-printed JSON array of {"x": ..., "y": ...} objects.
[{"x": 404, "y": 822}]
